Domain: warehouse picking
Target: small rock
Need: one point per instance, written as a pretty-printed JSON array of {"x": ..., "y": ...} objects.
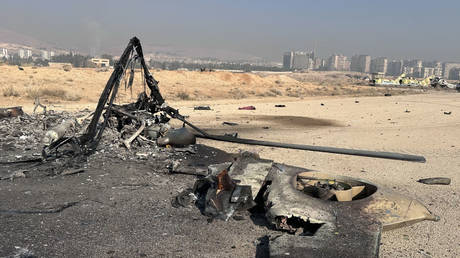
[
  {"x": 230, "y": 123},
  {"x": 247, "y": 108},
  {"x": 201, "y": 108}
]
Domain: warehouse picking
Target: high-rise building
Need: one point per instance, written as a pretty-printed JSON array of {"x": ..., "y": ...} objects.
[
  {"x": 21, "y": 53},
  {"x": 407, "y": 70},
  {"x": 297, "y": 60},
  {"x": 450, "y": 71},
  {"x": 288, "y": 57},
  {"x": 28, "y": 53},
  {"x": 417, "y": 66},
  {"x": 395, "y": 67},
  {"x": 360, "y": 63},
  {"x": 45, "y": 55},
  {"x": 427, "y": 71},
  {"x": 4, "y": 53},
  {"x": 379, "y": 65},
  {"x": 338, "y": 63},
  {"x": 319, "y": 63}
]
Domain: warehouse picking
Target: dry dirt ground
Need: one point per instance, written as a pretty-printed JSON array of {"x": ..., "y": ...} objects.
[
  {"x": 125, "y": 208},
  {"x": 59, "y": 88}
]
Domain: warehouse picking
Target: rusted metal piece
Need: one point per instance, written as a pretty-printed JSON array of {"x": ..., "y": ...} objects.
[
  {"x": 11, "y": 112},
  {"x": 220, "y": 196},
  {"x": 225, "y": 182}
]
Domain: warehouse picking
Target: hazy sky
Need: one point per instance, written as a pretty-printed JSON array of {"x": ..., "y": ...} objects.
[{"x": 424, "y": 29}]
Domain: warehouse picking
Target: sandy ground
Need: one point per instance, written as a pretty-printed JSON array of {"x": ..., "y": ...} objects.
[
  {"x": 58, "y": 88},
  {"x": 375, "y": 123}
]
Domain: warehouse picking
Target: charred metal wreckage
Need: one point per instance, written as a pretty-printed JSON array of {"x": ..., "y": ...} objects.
[{"x": 322, "y": 214}]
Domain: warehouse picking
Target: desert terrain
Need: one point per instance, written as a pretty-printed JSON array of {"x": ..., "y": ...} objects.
[
  {"x": 320, "y": 109},
  {"x": 81, "y": 86}
]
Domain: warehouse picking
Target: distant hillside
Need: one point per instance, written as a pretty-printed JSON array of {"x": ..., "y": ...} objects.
[{"x": 189, "y": 52}]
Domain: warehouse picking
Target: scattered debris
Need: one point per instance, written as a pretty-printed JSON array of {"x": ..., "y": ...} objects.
[
  {"x": 233, "y": 135},
  {"x": 330, "y": 216},
  {"x": 438, "y": 82},
  {"x": 68, "y": 67},
  {"x": 201, "y": 108},
  {"x": 230, "y": 123},
  {"x": 178, "y": 138},
  {"x": 37, "y": 104},
  {"x": 435, "y": 181},
  {"x": 185, "y": 199},
  {"x": 219, "y": 196},
  {"x": 15, "y": 174},
  {"x": 11, "y": 112},
  {"x": 247, "y": 108},
  {"x": 53, "y": 209},
  {"x": 448, "y": 113},
  {"x": 72, "y": 171},
  {"x": 128, "y": 141},
  {"x": 280, "y": 105},
  {"x": 56, "y": 133},
  {"x": 22, "y": 252}
]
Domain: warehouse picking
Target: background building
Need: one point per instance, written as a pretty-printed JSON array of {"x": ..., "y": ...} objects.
[
  {"x": 45, "y": 55},
  {"x": 361, "y": 63},
  {"x": 4, "y": 53},
  {"x": 395, "y": 67},
  {"x": 298, "y": 60},
  {"x": 427, "y": 71},
  {"x": 450, "y": 71},
  {"x": 379, "y": 65},
  {"x": 288, "y": 57},
  {"x": 101, "y": 62},
  {"x": 338, "y": 63}
]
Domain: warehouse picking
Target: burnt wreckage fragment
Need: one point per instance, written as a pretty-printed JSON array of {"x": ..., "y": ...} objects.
[
  {"x": 322, "y": 215},
  {"x": 154, "y": 106}
]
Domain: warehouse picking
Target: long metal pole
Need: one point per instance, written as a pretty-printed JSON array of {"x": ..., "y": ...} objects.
[{"x": 364, "y": 153}]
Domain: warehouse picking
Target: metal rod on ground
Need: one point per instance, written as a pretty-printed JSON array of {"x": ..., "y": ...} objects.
[{"x": 365, "y": 153}]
